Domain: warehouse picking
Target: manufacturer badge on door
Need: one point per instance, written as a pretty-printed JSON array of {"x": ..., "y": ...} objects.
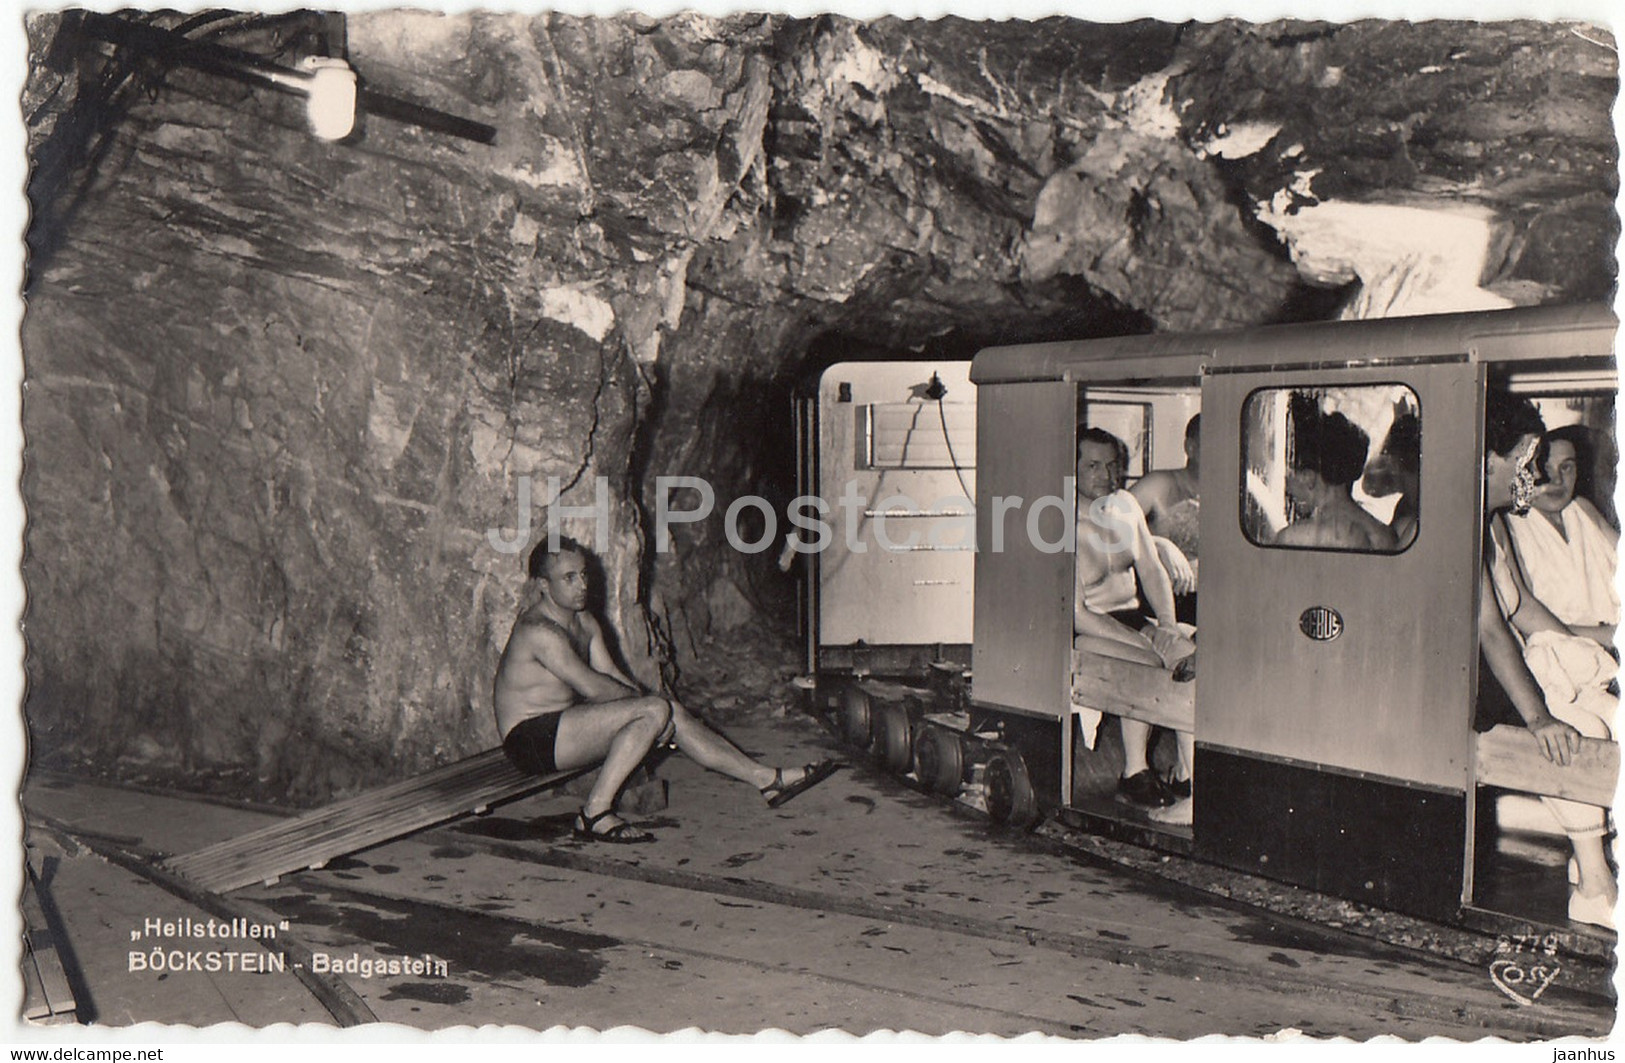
[{"x": 1321, "y": 623}]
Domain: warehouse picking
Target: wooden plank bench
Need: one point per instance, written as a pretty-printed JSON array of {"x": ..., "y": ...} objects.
[
  {"x": 308, "y": 841},
  {"x": 1137, "y": 691},
  {"x": 1509, "y": 757},
  {"x": 47, "y": 996}
]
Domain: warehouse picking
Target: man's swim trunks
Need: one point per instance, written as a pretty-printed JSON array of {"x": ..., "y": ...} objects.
[{"x": 530, "y": 744}]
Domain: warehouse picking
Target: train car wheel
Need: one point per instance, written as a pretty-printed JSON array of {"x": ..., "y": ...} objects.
[
  {"x": 855, "y": 716},
  {"x": 891, "y": 738},
  {"x": 1010, "y": 797},
  {"x": 939, "y": 760}
]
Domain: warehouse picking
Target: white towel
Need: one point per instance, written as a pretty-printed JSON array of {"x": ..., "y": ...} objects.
[
  {"x": 1573, "y": 672},
  {"x": 1088, "y": 723},
  {"x": 1569, "y": 572}
]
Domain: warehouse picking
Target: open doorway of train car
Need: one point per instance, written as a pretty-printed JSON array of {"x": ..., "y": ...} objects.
[
  {"x": 1131, "y": 731},
  {"x": 1566, "y": 555}
]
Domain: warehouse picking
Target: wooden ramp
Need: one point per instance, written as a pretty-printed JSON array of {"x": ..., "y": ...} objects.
[
  {"x": 310, "y": 840},
  {"x": 47, "y": 996}
]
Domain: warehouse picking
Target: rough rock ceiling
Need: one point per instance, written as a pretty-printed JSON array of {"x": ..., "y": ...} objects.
[{"x": 280, "y": 389}]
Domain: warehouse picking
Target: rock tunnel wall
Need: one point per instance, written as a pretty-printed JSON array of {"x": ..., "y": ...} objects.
[{"x": 281, "y": 395}]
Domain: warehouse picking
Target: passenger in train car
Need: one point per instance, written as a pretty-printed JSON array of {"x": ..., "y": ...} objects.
[
  {"x": 1113, "y": 548},
  {"x": 1565, "y": 550},
  {"x": 1171, "y": 500},
  {"x": 562, "y": 703},
  {"x": 1396, "y": 470},
  {"x": 1557, "y": 681},
  {"x": 1328, "y": 456}
]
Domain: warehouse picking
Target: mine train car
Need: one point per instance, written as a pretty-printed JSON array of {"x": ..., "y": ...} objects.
[{"x": 1339, "y": 739}]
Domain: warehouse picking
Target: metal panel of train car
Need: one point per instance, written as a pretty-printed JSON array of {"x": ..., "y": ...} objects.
[
  {"x": 1022, "y": 654},
  {"x": 905, "y": 461},
  {"x": 1358, "y": 661},
  {"x": 1334, "y": 689}
]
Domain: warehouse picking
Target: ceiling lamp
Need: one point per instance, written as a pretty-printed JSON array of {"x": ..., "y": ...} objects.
[
  {"x": 329, "y": 87},
  {"x": 334, "y": 95}
]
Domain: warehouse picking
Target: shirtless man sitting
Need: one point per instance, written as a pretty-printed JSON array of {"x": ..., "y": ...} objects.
[
  {"x": 1114, "y": 546},
  {"x": 1171, "y": 501},
  {"x": 561, "y": 703},
  {"x": 1397, "y": 470},
  {"x": 1328, "y": 455}
]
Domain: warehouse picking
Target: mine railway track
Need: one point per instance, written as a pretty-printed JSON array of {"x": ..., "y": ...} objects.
[
  {"x": 1551, "y": 1017},
  {"x": 1547, "y": 1020},
  {"x": 349, "y": 891}
]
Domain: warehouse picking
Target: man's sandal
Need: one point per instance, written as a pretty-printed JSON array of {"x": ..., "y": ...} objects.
[
  {"x": 623, "y": 833},
  {"x": 778, "y": 791}
]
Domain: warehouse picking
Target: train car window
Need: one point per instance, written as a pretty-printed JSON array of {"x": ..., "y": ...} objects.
[
  {"x": 1332, "y": 468},
  {"x": 917, "y": 435}
]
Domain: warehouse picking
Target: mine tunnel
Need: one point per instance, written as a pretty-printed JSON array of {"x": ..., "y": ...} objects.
[
  {"x": 279, "y": 388},
  {"x": 298, "y": 395}
]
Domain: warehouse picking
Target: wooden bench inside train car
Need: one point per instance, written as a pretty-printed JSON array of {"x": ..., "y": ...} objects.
[
  {"x": 1509, "y": 757},
  {"x": 1136, "y": 691}
]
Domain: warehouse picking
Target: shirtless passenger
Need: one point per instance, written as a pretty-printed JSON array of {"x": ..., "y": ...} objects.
[
  {"x": 1397, "y": 469},
  {"x": 1172, "y": 503},
  {"x": 561, "y": 703},
  {"x": 1114, "y": 546},
  {"x": 1328, "y": 455}
]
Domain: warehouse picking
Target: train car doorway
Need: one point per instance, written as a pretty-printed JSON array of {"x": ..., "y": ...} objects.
[
  {"x": 1565, "y": 547},
  {"x": 1132, "y": 720}
]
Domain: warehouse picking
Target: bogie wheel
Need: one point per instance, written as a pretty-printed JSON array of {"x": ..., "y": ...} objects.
[
  {"x": 1010, "y": 797},
  {"x": 939, "y": 760},
  {"x": 891, "y": 738},
  {"x": 855, "y": 716}
]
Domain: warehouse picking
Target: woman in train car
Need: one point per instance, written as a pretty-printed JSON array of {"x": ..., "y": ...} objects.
[
  {"x": 1328, "y": 456},
  {"x": 1540, "y": 684},
  {"x": 1565, "y": 550}
]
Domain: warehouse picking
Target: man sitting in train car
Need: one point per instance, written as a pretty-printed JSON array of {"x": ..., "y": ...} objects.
[
  {"x": 1397, "y": 470},
  {"x": 1114, "y": 546},
  {"x": 1328, "y": 456},
  {"x": 1171, "y": 500},
  {"x": 1171, "y": 503},
  {"x": 561, "y": 703}
]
